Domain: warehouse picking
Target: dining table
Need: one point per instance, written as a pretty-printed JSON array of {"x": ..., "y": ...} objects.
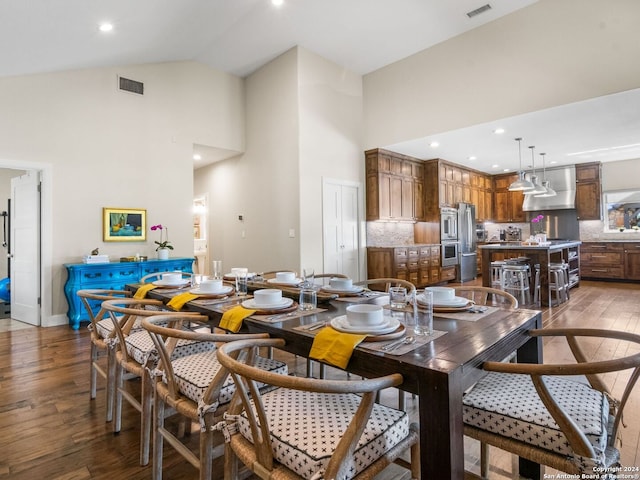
[{"x": 438, "y": 371}]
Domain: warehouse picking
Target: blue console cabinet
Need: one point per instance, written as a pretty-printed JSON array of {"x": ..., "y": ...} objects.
[{"x": 113, "y": 276}]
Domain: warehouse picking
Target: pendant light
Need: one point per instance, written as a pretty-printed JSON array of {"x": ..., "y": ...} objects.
[
  {"x": 545, "y": 183},
  {"x": 537, "y": 188},
  {"x": 522, "y": 184}
]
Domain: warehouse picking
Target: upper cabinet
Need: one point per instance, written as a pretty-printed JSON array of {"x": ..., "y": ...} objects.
[
  {"x": 447, "y": 184},
  {"x": 588, "y": 191},
  {"x": 395, "y": 188},
  {"x": 507, "y": 205}
]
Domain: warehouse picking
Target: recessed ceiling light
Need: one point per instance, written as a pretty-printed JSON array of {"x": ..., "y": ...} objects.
[
  {"x": 106, "y": 27},
  {"x": 495, "y": 166},
  {"x": 498, "y": 131},
  {"x": 472, "y": 158},
  {"x": 197, "y": 156},
  {"x": 434, "y": 144},
  {"x": 506, "y": 169},
  {"x": 277, "y": 3}
]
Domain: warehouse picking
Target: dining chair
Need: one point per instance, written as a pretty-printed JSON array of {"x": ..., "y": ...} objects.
[
  {"x": 487, "y": 296},
  {"x": 101, "y": 328},
  {"x": 544, "y": 413},
  {"x": 383, "y": 284},
  {"x": 152, "y": 277},
  {"x": 134, "y": 355},
  {"x": 310, "y": 428},
  {"x": 194, "y": 386}
]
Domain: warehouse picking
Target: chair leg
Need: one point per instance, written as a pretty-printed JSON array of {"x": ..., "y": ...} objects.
[
  {"x": 158, "y": 426},
  {"x": 117, "y": 391},
  {"x": 484, "y": 460},
  {"x": 206, "y": 453},
  {"x": 145, "y": 418},
  {"x": 94, "y": 372},
  {"x": 112, "y": 366}
]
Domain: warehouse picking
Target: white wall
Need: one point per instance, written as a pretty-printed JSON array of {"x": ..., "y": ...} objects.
[
  {"x": 107, "y": 148},
  {"x": 304, "y": 122},
  {"x": 550, "y": 53}
]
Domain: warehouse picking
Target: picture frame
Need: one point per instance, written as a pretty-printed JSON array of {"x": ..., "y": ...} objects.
[{"x": 124, "y": 224}]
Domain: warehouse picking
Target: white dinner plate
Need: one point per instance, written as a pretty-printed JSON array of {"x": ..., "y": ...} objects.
[
  {"x": 224, "y": 290},
  {"x": 456, "y": 302},
  {"x": 295, "y": 283},
  {"x": 284, "y": 303},
  {"x": 164, "y": 283},
  {"x": 233, "y": 275},
  {"x": 354, "y": 289},
  {"x": 342, "y": 325}
]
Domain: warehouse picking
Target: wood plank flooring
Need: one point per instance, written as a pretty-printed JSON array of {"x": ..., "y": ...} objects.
[{"x": 50, "y": 429}]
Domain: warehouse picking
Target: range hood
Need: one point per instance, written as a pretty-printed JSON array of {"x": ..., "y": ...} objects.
[{"x": 563, "y": 181}]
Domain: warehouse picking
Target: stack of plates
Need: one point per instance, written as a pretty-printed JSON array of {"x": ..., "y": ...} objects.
[
  {"x": 283, "y": 303},
  {"x": 455, "y": 303},
  {"x": 342, "y": 324},
  {"x": 350, "y": 291},
  {"x": 165, "y": 284}
]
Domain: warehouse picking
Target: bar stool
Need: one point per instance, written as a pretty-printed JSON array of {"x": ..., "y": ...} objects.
[
  {"x": 536, "y": 285},
  {"x": 559, "y": 281},
  {"x": 496, "y": 273},
  {"x": 515, "y": 280}
]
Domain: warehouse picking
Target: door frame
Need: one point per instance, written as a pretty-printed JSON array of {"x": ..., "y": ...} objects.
[
  {"x": 46, "y": 237},
  {"x": 362, "y": 266}
]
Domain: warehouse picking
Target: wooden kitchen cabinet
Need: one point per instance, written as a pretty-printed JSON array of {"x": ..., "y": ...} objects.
[
  {"x": 632, "y": 260},
  {"x": 602, "y": 260},
  {"x": 418, "y": 264},
  {"x": 395, "y": 188},
  {"x": 507, "y": 205},
  {"x": 588, "y": 191},
  {"x": 446, "y": 185}
]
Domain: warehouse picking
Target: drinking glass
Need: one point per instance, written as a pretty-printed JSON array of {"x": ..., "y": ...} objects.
[
  {"x": 308, "y": 299},
  {"x": 217, "y": 269},
  {"x": 309, "y": 277},
  {"x": 241, "y": 283},
  {"x": 397, "y": 298},
  {"x": 423, "y": 316}
]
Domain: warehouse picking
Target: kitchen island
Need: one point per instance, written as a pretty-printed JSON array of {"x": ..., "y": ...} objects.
[{"x": 554, "y": 251}]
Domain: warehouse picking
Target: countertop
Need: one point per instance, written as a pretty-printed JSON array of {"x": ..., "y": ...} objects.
[{"x": 554, "y": 244}]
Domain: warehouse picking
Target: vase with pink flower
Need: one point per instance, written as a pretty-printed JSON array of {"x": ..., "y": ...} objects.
[
  {"x": 163, "y": 245},
  {"x": 537, "y": 228}
]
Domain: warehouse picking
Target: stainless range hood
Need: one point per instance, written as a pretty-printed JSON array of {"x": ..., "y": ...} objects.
[{"x": 563, "y": 181}]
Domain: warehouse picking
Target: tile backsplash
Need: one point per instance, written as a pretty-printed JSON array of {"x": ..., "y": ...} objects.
[{"x": 386, "y": 234}]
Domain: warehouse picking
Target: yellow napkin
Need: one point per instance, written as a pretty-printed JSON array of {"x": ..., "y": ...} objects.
[
  {"x": 179, "y": 300},
  {"x": 232, "y": 318},
  {"x": 334, "y": 347},
  {"x": 141, "y": 292}
]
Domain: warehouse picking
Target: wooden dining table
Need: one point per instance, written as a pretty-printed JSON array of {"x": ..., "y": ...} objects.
[{"x": 437, "y": 372}]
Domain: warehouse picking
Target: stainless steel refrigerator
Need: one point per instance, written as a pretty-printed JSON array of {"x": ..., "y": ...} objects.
[{"x": 468, "y": 265}]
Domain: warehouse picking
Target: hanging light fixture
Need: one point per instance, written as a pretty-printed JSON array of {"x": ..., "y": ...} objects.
[
  {"x": 545, "y": 183},
  {"x": 537, "y": 188},
  {"x": 522, "y": 184}
]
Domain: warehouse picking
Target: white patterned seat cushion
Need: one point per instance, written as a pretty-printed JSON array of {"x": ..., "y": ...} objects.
[
  {"x": 140, "y": 347},
  {"x": 307, "y": 426},
  {"x": 194, "y": 373},
  {"x": 508, "y": 405}
]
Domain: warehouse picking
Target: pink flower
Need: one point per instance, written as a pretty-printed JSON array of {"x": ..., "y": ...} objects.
[
  {"x": 161, "y": 243},
  {"x": 537, "y": 219}
]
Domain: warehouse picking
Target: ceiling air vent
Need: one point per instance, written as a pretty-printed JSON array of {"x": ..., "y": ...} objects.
[
  {"x": 478, "y": 11},
  {"x": 132, "y": 86}
]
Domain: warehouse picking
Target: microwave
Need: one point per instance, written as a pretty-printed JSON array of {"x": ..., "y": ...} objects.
[
  {"x": 449, "y": 251},
  {"x": 448, "y": 224}
]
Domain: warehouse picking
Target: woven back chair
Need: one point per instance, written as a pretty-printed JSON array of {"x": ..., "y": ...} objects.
[
  {"x": 541, "y": 412},
  {"x": 153, "y": 277},
  {"x": 383, "y": 284},
  {"x": 310, "y": 428},
  {"x": 487, "y": 296},
  {"x": 101, "y": 329},
  {"x": 134, "y": 355},
  {"x": 194, "y": 386}
]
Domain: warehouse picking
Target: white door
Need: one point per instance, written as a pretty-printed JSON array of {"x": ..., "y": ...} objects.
[
  {"x": 340, "y": 228},
  {"x": 25, "y": 248}
]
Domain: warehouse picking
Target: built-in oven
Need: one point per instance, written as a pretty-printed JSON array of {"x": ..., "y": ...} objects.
[
  {"x": 448, "y": 224},
  {"x": 449, "y": 253}
]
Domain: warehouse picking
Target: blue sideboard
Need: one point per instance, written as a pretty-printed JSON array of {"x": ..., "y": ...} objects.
[{"x": 112, "y": 276}]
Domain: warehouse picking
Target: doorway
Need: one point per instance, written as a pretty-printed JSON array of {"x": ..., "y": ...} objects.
[
  {"x": 341, "y": 215},
  {"x": 42, "y": 261}
]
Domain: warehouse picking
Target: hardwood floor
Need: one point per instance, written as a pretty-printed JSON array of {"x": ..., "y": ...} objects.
[{"x": 50, "y": 429}]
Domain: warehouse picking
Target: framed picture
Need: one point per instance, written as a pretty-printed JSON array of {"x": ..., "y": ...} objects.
[{"x": 124, "y": 225}]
